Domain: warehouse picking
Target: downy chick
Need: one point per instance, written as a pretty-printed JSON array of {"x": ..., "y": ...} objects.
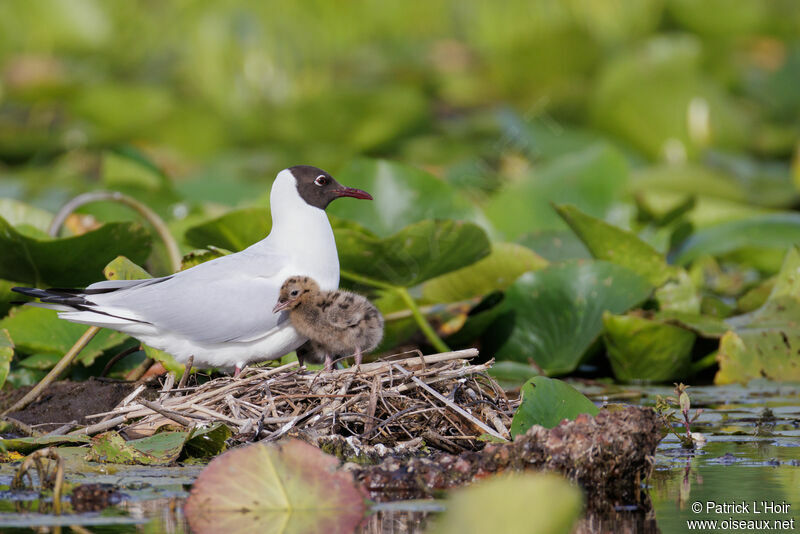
[{"x": 336, "y": 322}]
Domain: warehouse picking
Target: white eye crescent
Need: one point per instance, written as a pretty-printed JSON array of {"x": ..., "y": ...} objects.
[{"x": 321, "y": 180}]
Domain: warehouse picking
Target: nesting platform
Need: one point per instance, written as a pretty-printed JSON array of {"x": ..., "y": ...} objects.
[{"x": 442, "y": 398}]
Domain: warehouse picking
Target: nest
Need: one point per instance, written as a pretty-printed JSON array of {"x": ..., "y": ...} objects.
[{"x": 441, "y": 398}]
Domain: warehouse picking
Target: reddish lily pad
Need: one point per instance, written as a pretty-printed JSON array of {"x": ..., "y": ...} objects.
[{"x": 291, "y": 485}]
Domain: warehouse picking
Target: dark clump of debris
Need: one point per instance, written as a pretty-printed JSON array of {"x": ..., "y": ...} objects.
[{"x": 609, "y": 455}]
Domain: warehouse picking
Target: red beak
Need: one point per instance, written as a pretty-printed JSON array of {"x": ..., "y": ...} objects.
[{"x": 352, "y": 192}]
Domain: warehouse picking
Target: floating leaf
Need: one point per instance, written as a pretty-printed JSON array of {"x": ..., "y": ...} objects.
[
  {"x": 236, "y": 230},
  {"x": 159, "y": 449},
  {"x": 679, "y": 294},
  {"x": 558, "y": 311},
  {"x": 196, "y": 257},
  {"x": 17, "y": 213},
  {"x": 6, "y": 355},
  {"x": 70, "y": 261},
  {"x": 497, "y": 271},
  {"x": 766, "y": 342},
  {"x": 413, "y": 255},
  {"x": 121, "y": 268},
  {"x": 593, "y": 179},
  {"x": 775, "y": 230},
  {"x": 403, "y": 195},
  {"x": 40, "y": 361},
  {"x": 705, "y": 325},
  {"x": 207, "y": 442},
  {"x": 607, "y": 242},
  {"x": 37, "y": 330},
  {"x": 556, "y": 245},
  {"x": 289, "y": 484},
  {"x": 28, "y": 445},
  {"x": 644, "y": 349},
  {"x": 548, "y": 401},
  {"x": 521, "y": 503}
]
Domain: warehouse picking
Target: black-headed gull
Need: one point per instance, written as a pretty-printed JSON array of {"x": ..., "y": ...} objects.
[
  {"x": 220, "y": 311},
  {"x": 337, "y": 323}
]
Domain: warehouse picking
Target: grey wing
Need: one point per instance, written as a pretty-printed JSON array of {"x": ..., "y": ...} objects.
[{"x": 227, "y": 299}]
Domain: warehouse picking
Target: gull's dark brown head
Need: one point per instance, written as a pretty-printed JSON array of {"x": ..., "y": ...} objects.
[
  {"x": 318, "y": 188},
  {"x": 293, "y": 291}
]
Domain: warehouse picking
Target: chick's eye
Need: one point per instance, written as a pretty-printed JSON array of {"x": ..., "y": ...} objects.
[
  {"x": 294, "y": 293},
  {"x": 321, "y": 180}
]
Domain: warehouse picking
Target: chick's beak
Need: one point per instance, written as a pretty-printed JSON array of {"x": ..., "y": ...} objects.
[
  {"x": 352, "y": 192},
  {"x": 280, "y": 306}
]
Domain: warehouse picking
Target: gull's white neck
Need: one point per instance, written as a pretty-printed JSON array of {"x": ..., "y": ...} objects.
[{"x": 303, "y": 232}]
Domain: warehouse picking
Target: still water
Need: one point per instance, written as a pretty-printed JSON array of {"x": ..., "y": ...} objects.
[{"x": 746, "y": 478}]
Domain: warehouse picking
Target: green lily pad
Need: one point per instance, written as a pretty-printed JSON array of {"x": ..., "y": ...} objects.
[
  {"x": 159, "y": 449},
  {"x": 704, "y": 325},
  {"x": 37, "y": 330},
  {"x": 644, "y": 349},
  {"x": 40, "y": 361},
  {"x": 679, "y": 294},
  {"x": 417, "y": 253},
  {"x": 28, "y": 445},
  {"x": 6, "y": 355},
  {"x": 593, "y": 179},
  {"x": 558, "y": 311},
  {"x": 548, "y": 401},
  {"x": 236, "y": 230},
  {"x": 755, "y": 297},
  {"x": 607, "y": 242},
  {"x": 497, "y": 271},
  {"x": 403, "y": 195},
  {"x": 290, "y": 483},
  {"x": 522, "y": 503},
  {"x": 198, "y": 256},
  {"x": 121, "y": 268},
  {"x": 765, "y": 343},
  {"x": 17, "y": 213},
  {"x": 70, "y": 261},
  {"x": 512, "y": 374},
  {"x": 775, "y": 230},
  {"x": 556, "y": 245},
  {"x": 207, "y": 442}
]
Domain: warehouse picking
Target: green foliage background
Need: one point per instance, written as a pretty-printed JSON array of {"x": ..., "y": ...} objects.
[{"x": 676, "y": 122}]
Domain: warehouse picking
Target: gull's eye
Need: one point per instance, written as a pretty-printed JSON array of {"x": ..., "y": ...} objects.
[
  {"x": 294, "y": 293},
  {"x": 321, "y": 180}
]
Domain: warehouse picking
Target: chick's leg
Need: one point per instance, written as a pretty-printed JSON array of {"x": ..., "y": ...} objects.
[
  {"x": 328, "y": 362},
  {"x": 358, "y": 356}
]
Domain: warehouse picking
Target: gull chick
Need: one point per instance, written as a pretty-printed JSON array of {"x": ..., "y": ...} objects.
[
  {"x": 336, "y": 322},
  {"x": 214, "y": 311}
]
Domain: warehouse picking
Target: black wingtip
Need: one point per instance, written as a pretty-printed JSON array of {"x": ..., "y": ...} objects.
[{"x": 30, "y": 291}]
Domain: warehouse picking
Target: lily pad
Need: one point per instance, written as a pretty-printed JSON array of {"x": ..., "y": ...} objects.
[
  {"x": 17, "y": 213},
  {"x": 556, "y": 245},
  {"x": 548, "y": 401},
  {"x": 403, "y": 195},
  {"x": 236, "y": 230},
  {"x": 6, "y": 355},
  {"x": 704, "y": 325},
  {"x": 28, "y": 445},
  {"x": 159, "y": 449},
  {"x": 775, "y": 230},
  {"x": 558, "y": 311},
  {"x": 417, "y": 253},
  {"x": 37, "y": 330},
  {"x": 70, "y": 261},
  {"x": 593, "y": 179},
  {"x": 521, "y": 503},
  {"x": 121, "y": 268},
  {"x": 198, "y": 256},
  {"x": 207, "y": 442},
  {"x": 497, "y": 271},
  {"x": 291, "y": 485},
  {"x": 644, "y": 349},
  {"x": 766, "y": 342},
  {"x": 607, "y": 242}
]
